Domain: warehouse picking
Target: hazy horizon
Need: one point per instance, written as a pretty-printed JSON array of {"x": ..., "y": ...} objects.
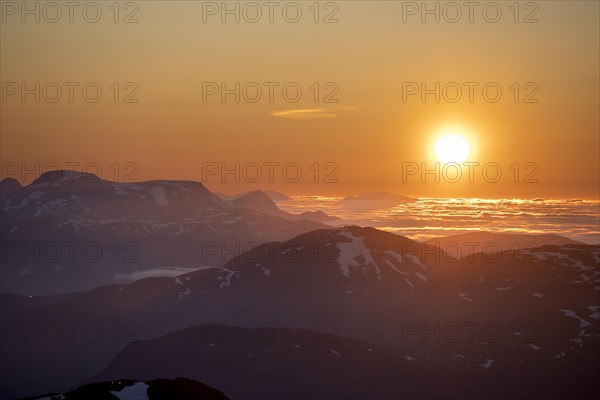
[{"x": 288, "y": 189}]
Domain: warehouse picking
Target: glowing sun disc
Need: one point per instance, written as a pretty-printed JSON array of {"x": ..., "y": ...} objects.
[{"x": 452, "y": 149}]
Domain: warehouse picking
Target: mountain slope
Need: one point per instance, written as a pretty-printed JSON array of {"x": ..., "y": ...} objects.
[
  {"x": 342, "y": 284},
  {"x": 272, "y": 363},
  {"x": 255, "y": 361},
  {"x": 374, "y": 286},
  {"x": 70, "y": 231}
]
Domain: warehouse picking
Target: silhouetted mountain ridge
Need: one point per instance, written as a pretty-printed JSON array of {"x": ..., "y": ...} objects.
[{"x": 155, "y": 389}]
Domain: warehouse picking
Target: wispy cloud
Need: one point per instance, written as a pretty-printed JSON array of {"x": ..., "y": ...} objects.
[{"x": 310, "y": 113}]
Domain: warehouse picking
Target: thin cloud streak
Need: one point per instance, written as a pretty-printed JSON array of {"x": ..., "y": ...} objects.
[{"x": 309, "y": 113}]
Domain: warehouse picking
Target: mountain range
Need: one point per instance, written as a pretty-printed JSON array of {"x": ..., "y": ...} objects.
[
  {"x": 70, "y": 231},
  {"x": 306, "y": 311},
  {"x": 533, "y": 310}
]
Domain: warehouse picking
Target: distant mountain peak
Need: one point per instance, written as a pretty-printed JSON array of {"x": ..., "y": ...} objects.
[
  {"x": 256, "y": 195},
  {"x": 277, "y": 196},
  {"x": 11, "y": 181},
  {"x": 62, "y": 176},
  {"x": 261, "y": 202},
  {"x": 9, "y": 186},
  {"x": 318, "y": 216}
]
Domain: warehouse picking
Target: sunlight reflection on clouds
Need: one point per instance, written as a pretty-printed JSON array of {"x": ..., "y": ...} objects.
[{"x": 430, "y": 217}]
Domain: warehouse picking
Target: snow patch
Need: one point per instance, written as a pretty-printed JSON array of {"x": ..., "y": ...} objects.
[
  {"x": 420, "y": 275},
  {"x": 569, "y": 313},
  {"x": 463, "y": 296},
  {"x": 169, "y": 272},
  {"x": 350, "y": 251},
  {"x": 394, "y": 267},
  {"x": 159, "y": 194},
  {"x": 121, "y": 189},
  {"x": 394, "y": 255},
  {"x": 595, "y": 312},
  {"x": 578, "y": 341},
  {"x": 186, "y": 292},
  {"x": 232, "y": 220},
  {"x": 138, "y": 391},
  {"x": 416, "y": 260},
  {"x": 226, "y": 279}
]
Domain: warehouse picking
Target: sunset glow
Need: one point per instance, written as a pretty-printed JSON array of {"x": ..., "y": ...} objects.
[{"x": 300, "y": 200}]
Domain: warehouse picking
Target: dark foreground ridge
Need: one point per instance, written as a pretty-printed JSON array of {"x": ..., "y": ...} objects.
[{"x": 157, "y": 389}]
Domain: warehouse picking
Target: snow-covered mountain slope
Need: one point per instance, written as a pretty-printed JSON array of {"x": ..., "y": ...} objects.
[
  {"x": 70, "y": 231},
  {"x": 82, "y": 195}
]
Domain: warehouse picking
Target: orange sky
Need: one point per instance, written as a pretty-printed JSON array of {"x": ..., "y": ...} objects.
[{"x": 368, "y": 134}]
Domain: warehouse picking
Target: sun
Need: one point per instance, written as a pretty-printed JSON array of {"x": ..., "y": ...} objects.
[{"x": 452, "y": 149}]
